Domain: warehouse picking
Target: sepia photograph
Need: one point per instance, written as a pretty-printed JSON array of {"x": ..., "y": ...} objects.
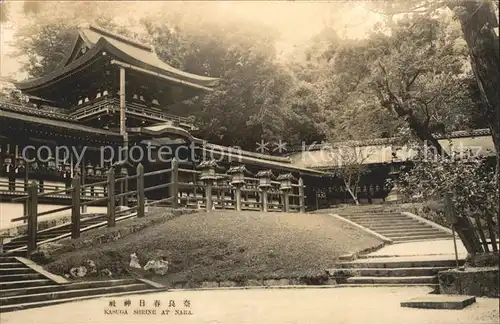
[{"x": 249, "y": 162}]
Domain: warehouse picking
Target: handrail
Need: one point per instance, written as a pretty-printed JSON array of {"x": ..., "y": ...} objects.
[
  {"x": 130, "y": 177},
  {"x": 100, "y": 183},
  {"x": 157, "y": 172},
  {"x": 164, "y": 185}
]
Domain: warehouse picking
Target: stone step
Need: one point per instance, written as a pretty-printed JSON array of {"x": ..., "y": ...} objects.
[
  {"x": 398, "y": 226},
  {"x": 10, "y": 264},
  {"x": 440, "y": 302},
  {"x": 352, "y": 285},
  {"x": 9, "y": 271},
  {"x": 412, "y": 234},
  {"x": 399, "y": 280},
  {"x": 404, "y": 238},
  {"x": 372, "y": 215},
  {"x": 406, "y": 222},
  {"x": 24, "y": 283},
  {"x": 5, "y": 259},
  {"x": 411, "y": 239},
  {"x": 409, "y": 230},
  {"x": 378, "y": 219},
  {"x": 70, "y": 294},
  {"x": 10, "y": 308},
  {"x": 388, "y": 272},
  {"x": 69, "y": 286},
  {"x": 20, "y": 277},
  {"x": 400, "y": 262}
]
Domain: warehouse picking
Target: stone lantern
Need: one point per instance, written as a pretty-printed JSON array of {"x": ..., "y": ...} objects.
[
  {"x": 21, "y": 165},
  {"x": 207, "y": 169},
  {"x": 237, "y": 174},
  {"x": 393, "y": 174},
  {"x": 51, "y": 164},
  {"x": 89, "y": 169},
  {"x": 77, "y": 171},
  {"x": 7, "y": 165},
  {"x": 265, "y": 178},
  {"x": 208, "y": 176},
  {"x": 99, "y": 172},
  {"x": 285, "y": 181}
]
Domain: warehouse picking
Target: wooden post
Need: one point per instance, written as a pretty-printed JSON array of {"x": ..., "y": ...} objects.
[
  {"x": 32, "y": 217},
  {"x": 301, "y": 196},
  {"x": 141, "y": 199},
  {"x": 75, "y": 211},
  {"x": 316, "y": 198},
  {"x": 123, "y": 129},
  {"x": 111, "y": 197},
  {"x": 264, "y": 200},
  {"x": 286, "y": 201},
  {"x": 208, "y": 195},
  {"x": 174, "y": 187},
  {"x": 238, "y": 197}
]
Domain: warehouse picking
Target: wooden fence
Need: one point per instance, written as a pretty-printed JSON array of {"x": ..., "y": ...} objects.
[
  {"x": 185, "y": 189},
  {"x": 477, "y": 234}
]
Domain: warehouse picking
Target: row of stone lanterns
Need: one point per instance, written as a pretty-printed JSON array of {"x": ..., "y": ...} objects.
[{"x": 237, "y": 173}]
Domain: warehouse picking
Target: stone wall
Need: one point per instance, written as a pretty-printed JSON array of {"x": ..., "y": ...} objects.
[{"x": 478, "y": 281}]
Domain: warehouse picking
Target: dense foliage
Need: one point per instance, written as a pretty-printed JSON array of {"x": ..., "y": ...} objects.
[{"x": 469, "y": 177}]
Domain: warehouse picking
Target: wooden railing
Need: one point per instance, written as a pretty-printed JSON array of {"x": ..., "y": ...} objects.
[
  {"x": 185, "y": 189},
  {"x": 476, "y": 237},
  {"x": 112, "y": 104}
]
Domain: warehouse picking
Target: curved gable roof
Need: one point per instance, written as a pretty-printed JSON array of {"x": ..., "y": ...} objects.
[{"x": 131, "y": 52}]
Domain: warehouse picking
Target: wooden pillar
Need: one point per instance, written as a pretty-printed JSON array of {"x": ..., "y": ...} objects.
[
  {"x": 32, "y": 217},
  {"x": 174, "y": 186},
  {"x": 83, "y": 171},
  {"x": 301, "y": 196},
  {"x": 75, "y": 211},
  {"x": 141, "y": 199},
  {"x": 123, "y": 129},
  {"x": 111, "y": 197}
]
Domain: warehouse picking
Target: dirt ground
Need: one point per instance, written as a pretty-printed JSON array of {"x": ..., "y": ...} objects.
[
  {"x": 219, "y": 246},
  {"x": 259, "y": 306}
]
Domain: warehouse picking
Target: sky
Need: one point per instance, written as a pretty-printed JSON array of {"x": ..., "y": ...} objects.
[{"x": 296, "y": 21}]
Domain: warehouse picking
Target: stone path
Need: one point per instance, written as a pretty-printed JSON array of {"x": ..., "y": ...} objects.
[
  {"x": 276, "y": 306},
  {"x": 423, "y": 248}
]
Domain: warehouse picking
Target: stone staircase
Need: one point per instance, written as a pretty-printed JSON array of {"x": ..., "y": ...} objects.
[
  {"x": 392, "y": 271},
  {"x": 23, "y": 286},
  {"x": 394, "y": 225}
]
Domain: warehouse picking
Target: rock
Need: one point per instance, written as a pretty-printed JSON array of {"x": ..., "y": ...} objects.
[
  {"x": 106, "y": 272},
  {"x": 78, "y": 272},
  {"x": 134, "y": 261},
  {"x": 92, "y": 266},
  {"x": 159, "y": 267}
]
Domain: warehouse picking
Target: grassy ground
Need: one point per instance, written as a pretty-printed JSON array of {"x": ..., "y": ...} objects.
[{"x": 220, "y": 246}]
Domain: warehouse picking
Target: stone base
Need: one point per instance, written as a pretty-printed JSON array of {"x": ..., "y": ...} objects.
[
  {"x": 478, "y": 282},
  {"x": 440, "y": 302}
]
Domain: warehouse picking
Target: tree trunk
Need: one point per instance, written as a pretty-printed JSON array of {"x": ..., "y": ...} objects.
[
  {"x": 352, "y": 194},
  {"x": 478, "y": 21}
]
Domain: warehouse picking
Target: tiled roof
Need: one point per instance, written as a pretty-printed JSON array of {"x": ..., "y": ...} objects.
[{"x": 34, "y": 111}]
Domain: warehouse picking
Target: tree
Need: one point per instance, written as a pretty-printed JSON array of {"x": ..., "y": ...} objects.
[
  {"x": 245, "y": 106},
  {"x": 416, "y": 71},
  {"x": 478, "y": 20},
  {"x": 468, "y": 176},
  {"x": 351, "y": 165}
]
